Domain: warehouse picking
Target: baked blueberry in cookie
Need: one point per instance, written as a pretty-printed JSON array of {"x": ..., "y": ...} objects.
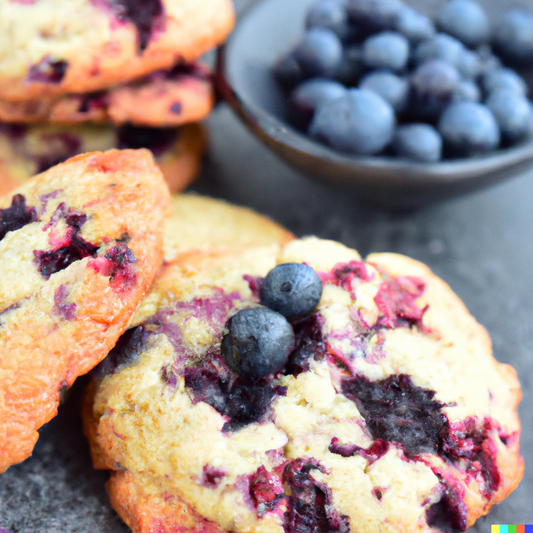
[
  {"x": 16, "y": 216},
  {"x": 385, "y": 411},
  {"x": 79, "y": 247},
  {"x": 146, "y": 15},
  {"x": 258, "y": 342},
  {"x": 292, "y": 289},
  {"x": 47, "y": 71}
]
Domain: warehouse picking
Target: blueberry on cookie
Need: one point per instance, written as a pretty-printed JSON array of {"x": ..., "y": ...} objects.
[
  {"x": 292, "y": 289},
  {"x": 259, "y": 342}
]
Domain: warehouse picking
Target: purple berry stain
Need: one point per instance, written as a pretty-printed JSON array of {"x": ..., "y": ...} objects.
[
  {"x": 242, "y": 401},
  {"x": 377, "y": 493},
  {"x": 450, "y": 513},
  {"x": 396, "y": 301},
  {"x": 146, "y": 15},
  {"x": 469, "y": 440},
  {"x": 343, "y": 275},
  {"x": 254, "y": 283},
  {"x": 395, "y": 410},
  {"x": 213, "y": 310},
  {"x": 310, "y": 504},
  {"x": 70, "y": 248},
  {"x": 47, "y": 71},
  {"x": 92, "y": 101},
  {"x": 266, "y": 491},
  {"x": 378, "y": 449},
  {"x": 309, "y": 344},
  {"x": 211, "y": 477},
  {"x": 117, "y": 264},
  {"x": 9, "y": 309},
  {"x": 45, "y": 198},
  {"x": 176, "y": 108},
  {"x": 62, "y": 308},
  {"x": 17, "y": 216}
]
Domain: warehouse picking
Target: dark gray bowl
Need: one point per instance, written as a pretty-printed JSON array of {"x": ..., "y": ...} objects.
[{"x": 268, "y": 29}]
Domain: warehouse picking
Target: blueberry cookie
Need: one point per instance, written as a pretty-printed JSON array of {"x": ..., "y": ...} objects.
[
  {"x": 29, "y": 150},
  {"x": 324, "y": 394},
  {"x": 164, "y": 98},
  {"x": 55, "y": 47},
  {"x": 80, "y": 246}
]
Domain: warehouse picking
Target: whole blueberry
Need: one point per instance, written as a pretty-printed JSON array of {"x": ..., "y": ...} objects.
[
  {"x": 443, "y": 47},
  {"x": 419, "y": 142},
  {"x": 258, "y": 342},
  {"x": 488, "y": 60},
  {"x": 467, "y": 91},
  {"x": 351, "y": 66},
  {"x": 390, "y": 87},
  {"x": 319, "y": 53},
  {"x": 513, "y": 36},
  {"x": 330, "y": 14},
  {"x": 360, "y": 122},
  {"x": 291, "y": 289},
  {"x": 433, "y": 84},
  {"x": 388, "y": 50},
  {"x": 466, "y": 20},
  {"x": 310, "y": 95},
  {"x": 288, "y": 71},
  {"x": 512, "y": 112},
  {"x": 374, "y": 15},
  {"x": 469, "y": 128},
  {"x": 414, "y": 25},
  {"x": 504, "y": 78},
  {"x": 469, "y": 64}
]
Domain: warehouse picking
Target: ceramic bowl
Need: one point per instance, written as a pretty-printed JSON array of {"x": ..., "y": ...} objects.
[{"x": 270, "y": 28}]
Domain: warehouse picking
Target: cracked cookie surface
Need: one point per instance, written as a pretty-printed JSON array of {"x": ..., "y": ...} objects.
[
  {"x": 391, "y": 414},
  {"x": 80, "y": 246}
]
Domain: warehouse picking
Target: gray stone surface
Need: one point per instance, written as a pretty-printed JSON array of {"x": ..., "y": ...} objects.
[{"x": 482, "y": 245}]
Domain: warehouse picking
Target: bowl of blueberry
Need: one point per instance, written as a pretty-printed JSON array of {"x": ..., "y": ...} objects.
[{"x": 405, "y": 103}]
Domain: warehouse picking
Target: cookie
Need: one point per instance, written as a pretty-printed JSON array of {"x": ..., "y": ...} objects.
[
  {"x": 29, "y": 150},
  {"x": 205, "y": 225},
  {"x": 162, "y": 99},
  {"x": 80, "y": 246},
  {"x": 55, "y": 47},
  {"x": 388, "y": 413}
]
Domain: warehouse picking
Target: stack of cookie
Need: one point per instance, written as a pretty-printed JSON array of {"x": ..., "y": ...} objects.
[{"x": 78, "y": 76}]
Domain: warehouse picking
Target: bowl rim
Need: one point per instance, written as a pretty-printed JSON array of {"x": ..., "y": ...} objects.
[{"x": 278, "y": 133}]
